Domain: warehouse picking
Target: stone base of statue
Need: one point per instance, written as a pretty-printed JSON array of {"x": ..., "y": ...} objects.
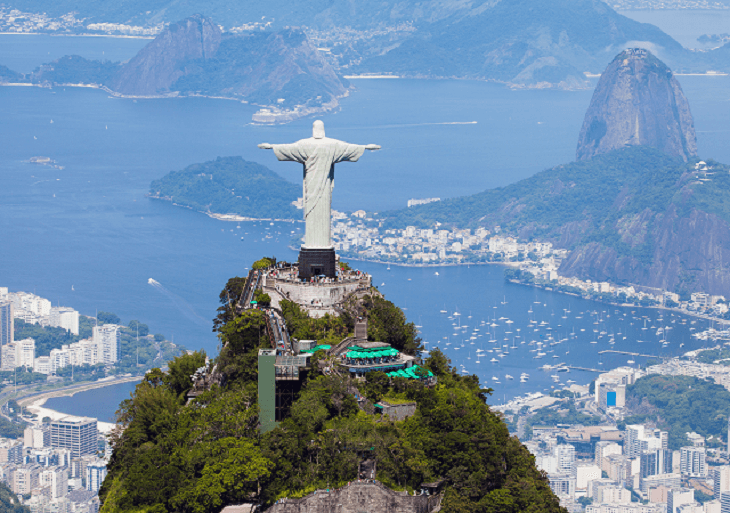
[{"x": 317, "y": 262}]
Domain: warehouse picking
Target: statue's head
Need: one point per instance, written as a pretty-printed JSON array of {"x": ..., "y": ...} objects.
[{"x": 318, "y": 129}]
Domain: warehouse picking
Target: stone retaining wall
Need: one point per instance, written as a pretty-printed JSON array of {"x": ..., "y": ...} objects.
[{"x": 358, "y": 497}]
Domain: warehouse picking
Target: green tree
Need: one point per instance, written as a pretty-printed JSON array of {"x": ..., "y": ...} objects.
[
  {"x": 133, "y": 326},
  {"x": 178, "y": 378},
  {"x": 232, "y": 473},
  {"x": 107, "y": 318}
]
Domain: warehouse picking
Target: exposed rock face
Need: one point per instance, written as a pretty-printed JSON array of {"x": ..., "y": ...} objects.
[
  {"x": 689, "y": 254},
  {"x": 637, "y": 102},
  {"x": 157, "y": 66}
]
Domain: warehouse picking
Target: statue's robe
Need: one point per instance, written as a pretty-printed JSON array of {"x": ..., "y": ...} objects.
[{"x": 318, "y": 157}]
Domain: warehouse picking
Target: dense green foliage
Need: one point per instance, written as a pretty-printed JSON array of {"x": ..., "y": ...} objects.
[
  {"x": 22, "y": 376},
  {"x": 562, "y": 414},
  {"x": 107, "y": 318},
  {"x": 230, "y": 185},
  {"x": 679, "y": 404},
  {"x": 72, "y": 69},
  {"x": 10, "y": 429},
  {"x": 8, "y": 75},
  {"x": 720, "y": 356},
  {"x": 9, "y": 502},
  {"x": 206, "y": 454},
  {"x": 12, "y": 426},
  {"x": 46, "y": 338}
]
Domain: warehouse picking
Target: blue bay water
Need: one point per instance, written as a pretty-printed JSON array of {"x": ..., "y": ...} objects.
[{"x": 90, "y": 227}]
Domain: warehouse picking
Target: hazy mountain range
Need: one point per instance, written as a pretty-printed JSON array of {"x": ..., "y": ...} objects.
[{"x": 550, "y": 43}]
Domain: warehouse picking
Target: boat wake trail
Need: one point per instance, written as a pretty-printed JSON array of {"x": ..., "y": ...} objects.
[
  {"x": 182, "y": 305},
  {"x": 409, "y": 125}
]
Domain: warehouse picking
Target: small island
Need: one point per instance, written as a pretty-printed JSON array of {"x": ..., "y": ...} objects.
[{"x": 230, "y": 188}]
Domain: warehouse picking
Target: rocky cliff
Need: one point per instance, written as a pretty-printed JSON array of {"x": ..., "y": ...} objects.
[
  {"x": 637, "y": 102},
  {"x": 161, "y": 63}
]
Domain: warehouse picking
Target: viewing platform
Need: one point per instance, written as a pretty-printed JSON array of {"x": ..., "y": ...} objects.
[{"x": 318, "y": 295}]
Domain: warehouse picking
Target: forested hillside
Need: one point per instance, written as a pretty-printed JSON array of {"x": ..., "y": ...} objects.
[
  {"x": 213, "y": 454},
  {"x": 230, "y": 185},
  {"x": 680, "y": 405},
  {"x": 634, "y": 215}
]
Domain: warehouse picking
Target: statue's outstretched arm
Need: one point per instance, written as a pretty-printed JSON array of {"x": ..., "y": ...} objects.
[
  {"x": 265, "y": 146},
  {"x": 367, "y": 147}
]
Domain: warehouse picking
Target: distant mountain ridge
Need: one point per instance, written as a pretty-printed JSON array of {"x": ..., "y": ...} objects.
[
  {"x": 192, "y": 57},
  {"x": 637, "y": 102},
  {"x": 523, "y": 43}
]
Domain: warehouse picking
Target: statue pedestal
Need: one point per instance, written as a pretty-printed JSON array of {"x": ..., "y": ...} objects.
[{"x": 317, "y": 262}]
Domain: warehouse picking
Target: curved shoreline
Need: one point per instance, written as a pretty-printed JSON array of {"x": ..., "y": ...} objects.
[{"x": 34, "y": 403}]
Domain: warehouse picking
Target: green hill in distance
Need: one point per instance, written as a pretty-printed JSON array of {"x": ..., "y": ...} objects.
[
  {"x": 634, "y": 215},
  {"x": 230, "y": 185}
]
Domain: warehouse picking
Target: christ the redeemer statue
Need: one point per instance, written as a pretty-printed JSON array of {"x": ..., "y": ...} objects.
[{"x": 318, "y": 155}]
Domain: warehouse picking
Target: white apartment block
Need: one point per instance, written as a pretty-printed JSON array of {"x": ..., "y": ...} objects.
[
  {"x": 66, "y": 318},
  {"x": 625, "y": 508},
  {"x": 611, "y": 495},
  {"x": 565, "y": 455},
  {"x": 692, "y": 462},
  {"x": 585, "y": 473},
  {"x": 56, "y": 479},
  {"x": 20, "y": 353},
  {"x": 720, "y": 480},
  {"x": 604, "y": 449},
  {"x": 30, "y": 303},
  {"x": 95, "y": 474},
  {"x": 107, "y": 338},
  {"x": 23, "y": 479},
  {"x": 638, "y": 439},
  {"x": 42, "y": 365},
  {"x": 678, "y": 497}
]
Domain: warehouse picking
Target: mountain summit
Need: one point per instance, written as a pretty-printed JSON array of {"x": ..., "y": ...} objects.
[
  {"x": 637, "y": 102},
  {"x": 158, "y": 65}
]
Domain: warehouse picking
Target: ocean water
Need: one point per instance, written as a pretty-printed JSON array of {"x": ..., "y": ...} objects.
[
  {"x": 86, "y": 236},
  {"x": 25, "y": 52}
]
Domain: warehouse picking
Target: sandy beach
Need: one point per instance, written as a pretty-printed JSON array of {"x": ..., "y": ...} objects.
[{"x": 35, "y": 403}]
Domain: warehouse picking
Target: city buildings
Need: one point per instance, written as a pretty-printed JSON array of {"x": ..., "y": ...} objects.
[
  {"x": 6, "y": 321},
  {"x": 678, "y": 497},
  {"x": 720, "y": 479},
  {"x": 79, "y": 436},
  {"x": 66, "y": 318},
  {"x": 20, "y": 353},
  {"x": 95, "y": 474},
  {"x": 693, "y": 462},
  {"x": 106, "y": 338}
]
